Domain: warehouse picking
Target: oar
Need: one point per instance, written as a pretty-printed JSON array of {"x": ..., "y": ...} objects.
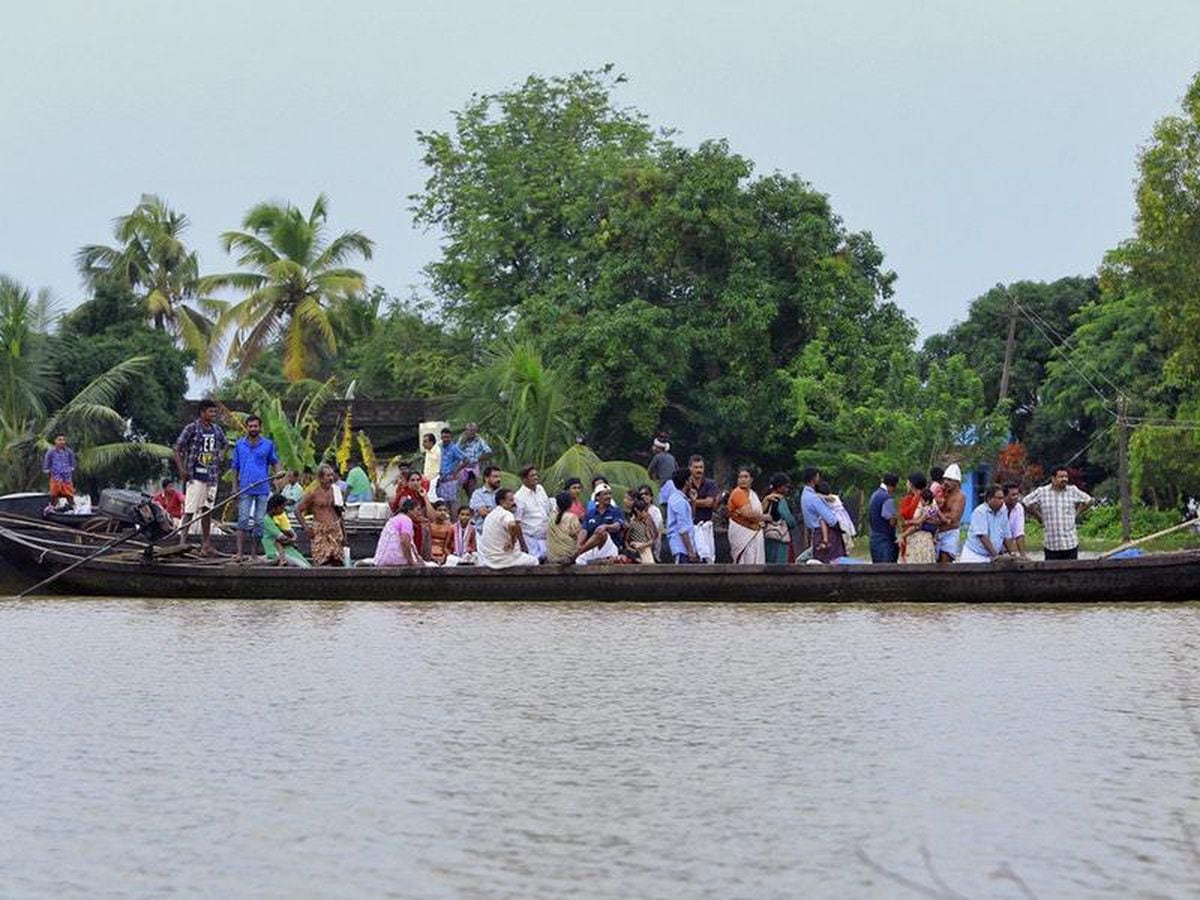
[
  {"x": 129, "y": 537},
  {"x": 1184, "y": 524}
]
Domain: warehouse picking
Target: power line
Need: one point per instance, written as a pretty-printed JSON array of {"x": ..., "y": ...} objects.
[
  {"x": 1066, "y": 358},
  {"x": 1062, "y": 344}
]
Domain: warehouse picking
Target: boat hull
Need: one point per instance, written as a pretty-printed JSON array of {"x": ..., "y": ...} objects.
[{"x": 1156, "y": 578}]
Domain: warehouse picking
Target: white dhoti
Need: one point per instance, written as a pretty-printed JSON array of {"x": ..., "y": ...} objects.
[
  {"x": 535, "y": 545},
  {"x": 706, "y": 547},
  {"x": 607, "y": 550}
]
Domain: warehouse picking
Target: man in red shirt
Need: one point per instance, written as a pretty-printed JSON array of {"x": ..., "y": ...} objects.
[{"x": 170, "y": 499}]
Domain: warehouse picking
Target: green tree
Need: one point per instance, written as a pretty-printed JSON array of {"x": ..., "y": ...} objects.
[
  {"x": 152, "y": 260},
  {"x": 897, "y": 420},
  {"x": 293, "y": 273},
  {"x": 1163, "y": 257},
  {"x": 668, "y": 285},
  {"x": 109, "y": 329},
  {"x": 27, "y": 377},
  {"x": 520, "y": 403},
  {"x": 1044, "y": 315}
]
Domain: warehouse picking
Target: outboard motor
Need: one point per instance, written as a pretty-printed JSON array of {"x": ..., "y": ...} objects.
[{"x": 137, "y": 510}]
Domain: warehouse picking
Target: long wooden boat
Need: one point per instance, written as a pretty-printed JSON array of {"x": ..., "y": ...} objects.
[{"x": 40, "y": 552}]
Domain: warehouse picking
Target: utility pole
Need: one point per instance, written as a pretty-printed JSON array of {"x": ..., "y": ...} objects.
[
  {"x": 1009, "y": 346},
  {"x": 1123, "y": 465}
]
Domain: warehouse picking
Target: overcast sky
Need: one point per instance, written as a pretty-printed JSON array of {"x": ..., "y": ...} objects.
[{"x": 980, "y": 142}]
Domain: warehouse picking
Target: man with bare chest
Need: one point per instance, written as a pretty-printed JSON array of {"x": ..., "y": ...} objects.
[
  {"x": 951, "y": 506},
  {"x": 326, "y": 532}
]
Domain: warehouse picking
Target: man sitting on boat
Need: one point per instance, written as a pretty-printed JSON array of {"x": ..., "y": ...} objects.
[
  {"x": 989, "y": 536},
  {"x": 501, "y": 545}
]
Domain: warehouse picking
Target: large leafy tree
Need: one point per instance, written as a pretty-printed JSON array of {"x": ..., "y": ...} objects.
[
  {"x": 152, "y": 259},
  {"x": 668, "y": 285},
  {"x": 293, "y": 272},
  {"x": 1044, "y": 320},
  {"x": 1163, "y": 257},
  {"x": 27, "y": 377}
]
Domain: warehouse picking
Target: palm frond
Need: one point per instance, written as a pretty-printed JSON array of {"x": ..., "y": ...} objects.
[{"x": 98, "y": 459}]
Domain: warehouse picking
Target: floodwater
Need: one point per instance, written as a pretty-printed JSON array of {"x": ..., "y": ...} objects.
[{"x": 268, "y": 749}]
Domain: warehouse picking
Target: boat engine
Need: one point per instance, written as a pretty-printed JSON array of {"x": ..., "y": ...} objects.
[{"x": 138, "y": 510}]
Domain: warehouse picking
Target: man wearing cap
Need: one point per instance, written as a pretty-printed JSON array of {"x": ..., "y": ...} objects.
[
  {"x": 951, "y": 507},
  {"x": 662, "y": 463},
  {"x": 605, "y": 519}
]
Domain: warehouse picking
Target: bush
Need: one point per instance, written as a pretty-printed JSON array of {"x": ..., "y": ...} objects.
[{"x": 1104, "y": 522}]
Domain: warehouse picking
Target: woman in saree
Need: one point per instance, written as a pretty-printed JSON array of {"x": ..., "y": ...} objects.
[
  {"x": 422, "y": 510},
  {"x": 918, "y": 547},
  {"x": 746, "y": 523},
  {"x": 778, "y": 520}
]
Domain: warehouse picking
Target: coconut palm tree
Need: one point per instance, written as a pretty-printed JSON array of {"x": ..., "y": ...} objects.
[
  {"x": 520, "y": 403},
  {"x": 152, "y": 260},
  {"x": 27, "y": 382},
  {"x": 293, "y": 275}
]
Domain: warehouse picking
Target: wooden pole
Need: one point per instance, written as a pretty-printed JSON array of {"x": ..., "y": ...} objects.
[
  {"x": 1150, "y": 537},
  {"x": 1009, "y": 346},
  {"x": 1123, "y": 466}
]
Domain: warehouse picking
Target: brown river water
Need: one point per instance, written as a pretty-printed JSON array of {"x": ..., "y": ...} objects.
[{"x": 237, "y": 749}]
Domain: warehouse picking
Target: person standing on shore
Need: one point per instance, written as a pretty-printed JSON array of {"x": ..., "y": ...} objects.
[
  {"x": 199, "y": 450},
  {"x": 253, "y": 466},
  {"x": 59, "y": 465},
  {"x": 881, "y": 511},
  {"x": 951, "y": 507},
  {"x": 1057, "y": 505}
]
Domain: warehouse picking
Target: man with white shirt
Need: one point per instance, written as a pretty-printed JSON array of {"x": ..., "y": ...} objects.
[
  {"x": 501, "y": 542},
  {"x": 533, "y": 510}
]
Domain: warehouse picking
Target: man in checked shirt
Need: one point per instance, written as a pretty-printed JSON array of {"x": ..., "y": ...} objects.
[{"x": 1056, "y": 505}]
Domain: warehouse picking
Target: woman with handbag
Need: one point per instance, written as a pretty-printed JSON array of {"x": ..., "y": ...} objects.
[{"x": 777, "y": 532}]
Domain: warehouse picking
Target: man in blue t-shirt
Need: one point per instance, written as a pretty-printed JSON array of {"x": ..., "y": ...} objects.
[
  {"x": 882, "y": 513},
  {"x": 253, "y": 464},
  {"x": 604, "y": 519}
]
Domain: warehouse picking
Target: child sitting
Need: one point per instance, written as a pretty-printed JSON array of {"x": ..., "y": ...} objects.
[{"x": 278, "y": 538}]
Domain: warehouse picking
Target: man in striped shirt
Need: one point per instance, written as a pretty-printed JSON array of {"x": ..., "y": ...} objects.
[{"x": 1056, "y": 505}]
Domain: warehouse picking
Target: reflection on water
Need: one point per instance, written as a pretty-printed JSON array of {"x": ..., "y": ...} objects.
[{"x": 474, "y": 750}]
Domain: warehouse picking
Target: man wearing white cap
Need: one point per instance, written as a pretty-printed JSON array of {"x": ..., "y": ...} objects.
[{"x": 952, "y": 505}]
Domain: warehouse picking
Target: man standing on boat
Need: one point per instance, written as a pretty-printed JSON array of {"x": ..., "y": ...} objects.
[
  {"x": 952, "y": 505},
  {"x": 988, "y": 536},
  {"x": 253, "y": 464},
  {"x": 681, "y": 531},
  {"x": 1057, "y": 505},
  {"x": 819, "y": 518},
  {"x": 198, "y": 453},
  {"x": 703, "y": 494},
  {"x": 533, "y": 510},
  {"x": 483, "y": 498},
  {"x": 1016, "y": 516},
  {"x": 882, "y": 513},
  {"x": 451, "y": 461},
  {"x": 477, "y": 452},
  {"x": 59, "y": 465}
]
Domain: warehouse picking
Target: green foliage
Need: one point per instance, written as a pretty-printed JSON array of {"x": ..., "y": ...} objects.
[
  {"x": 1164, "y": 255},
  {"x": 1104, "y": 522},
  {"x": 1164, "y": 462},
  {"x": 295, "y": 437},
  {"x": 292, "y": 276},
  {"x": 580, "y": 461},
  {"x": 981, "y": 338},
  {"x": 891, "y": 419},
  {"x": 27, "y": 377},
  {"x": 152, "y": 261},
  {"x": 108, "y": 330},
  {"x": 668, "y": 286},
  {"x": 520, "y": 403}
]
